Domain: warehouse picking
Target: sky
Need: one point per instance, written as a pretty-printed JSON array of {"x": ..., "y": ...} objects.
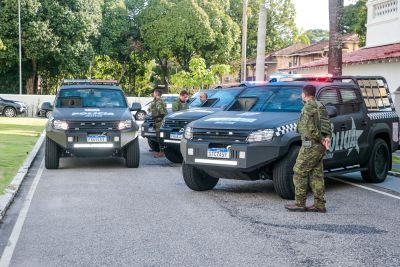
[{"x": 313, "y": 14}]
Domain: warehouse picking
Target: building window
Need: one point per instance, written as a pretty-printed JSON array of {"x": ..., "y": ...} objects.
[{"x": 385, "y": 8}]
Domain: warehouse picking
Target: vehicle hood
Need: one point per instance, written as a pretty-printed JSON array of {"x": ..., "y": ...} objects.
[
  {"x": 246, "y": 120},
  {"x": 92, "y": 114},
  {"x": 191, "y": 114},
  {"x": 10, "y": 101}
]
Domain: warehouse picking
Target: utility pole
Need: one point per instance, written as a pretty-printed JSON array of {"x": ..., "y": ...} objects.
[
  {"x": 261, "y": 34},
  {"x": 20, "y": 47},
  {"x": 335, "y": 37},
  {"x": 243, "y": 74}
]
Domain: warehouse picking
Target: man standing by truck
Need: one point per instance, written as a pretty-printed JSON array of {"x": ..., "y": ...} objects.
[
  {"x": 315, "y": 131},
  {"x": 158, "y": 111},
  {"x": 181, "y": 102}
]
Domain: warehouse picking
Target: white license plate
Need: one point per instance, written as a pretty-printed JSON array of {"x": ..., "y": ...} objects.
[
  {"x": 220, "y": 153},
  {"x": 96, "y": 139},
  {"x": 177, "y": 136}
]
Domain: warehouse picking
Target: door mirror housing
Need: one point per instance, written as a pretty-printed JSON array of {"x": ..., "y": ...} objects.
[
  {"x": 136, "y": 106},
  {"x": 332, "y": 111}
]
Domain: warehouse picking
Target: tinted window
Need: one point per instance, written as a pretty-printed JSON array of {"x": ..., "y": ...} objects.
[
  {"x": 348, "y": 95},
  {"x": 329, "y": 96},
  {"x": 225, "y": 97},
  {"x": 195, "y": 100},
  {"x": 91, "y": 98},
  {"x": 281, "y": 100}
]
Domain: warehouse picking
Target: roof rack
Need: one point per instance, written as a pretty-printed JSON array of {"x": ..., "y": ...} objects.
[{"x": 88, "y": 81}]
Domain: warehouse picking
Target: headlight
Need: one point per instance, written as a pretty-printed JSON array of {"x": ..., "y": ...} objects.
[
  {"x": 261, "y": 135},
  {"x": 60, "y": 125},
  {"x": 125, "y": 124},
  {"x": 188, "y": 133}
]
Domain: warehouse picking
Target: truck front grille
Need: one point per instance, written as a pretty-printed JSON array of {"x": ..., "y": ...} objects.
[
  {"x": 175, "y": 124},
  {"x": 93, "y": 125},
  {"x": 213, "y": 135}
]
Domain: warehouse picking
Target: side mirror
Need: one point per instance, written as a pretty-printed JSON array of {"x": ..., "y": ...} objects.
[
  {"x": 136, "y": 106},
  {"x": 47, "y": 106},
  {"x": 332, "y": 111}
]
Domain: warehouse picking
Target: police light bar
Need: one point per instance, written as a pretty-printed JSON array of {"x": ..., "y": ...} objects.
[
  {"x": 88, "y": 81},
  {"x": 315, "y": 77}
]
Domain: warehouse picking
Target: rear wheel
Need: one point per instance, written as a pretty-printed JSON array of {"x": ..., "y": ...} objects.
[
  {"x": 283, "y": 174},
  {"x": 173, "y": 155},
  {"x": 51, "y": 155},
  {"x": 10, "y": 112},
  {"x": 196, "y": 179},
  {"x": 378, "y": 164},
  {"x": 48, "y": 114},
  {"x": 132, "y": 156},
  {"x": 153, "y": 145}
]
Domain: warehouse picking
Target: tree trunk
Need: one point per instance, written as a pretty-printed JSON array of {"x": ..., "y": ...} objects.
[
  {"x": 30, "y": 83},
  {"x": 261, "y": 35},
  {"x": 335, "y": 38}
]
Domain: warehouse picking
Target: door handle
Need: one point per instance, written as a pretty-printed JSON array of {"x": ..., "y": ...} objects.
[
  {"x": 343, "y": 126},
  {"x": 364, "y": 123}
]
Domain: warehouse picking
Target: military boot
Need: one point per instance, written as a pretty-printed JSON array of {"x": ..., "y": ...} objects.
[
  {"x": 313, "y": 208},
  {"x": 294, "y": 207}
]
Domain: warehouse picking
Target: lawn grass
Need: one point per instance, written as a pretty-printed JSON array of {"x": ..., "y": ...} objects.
[{"x": 17, "y": 137}]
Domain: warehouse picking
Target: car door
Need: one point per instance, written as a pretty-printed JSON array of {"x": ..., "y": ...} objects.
[{"x": 336, "y": 155}]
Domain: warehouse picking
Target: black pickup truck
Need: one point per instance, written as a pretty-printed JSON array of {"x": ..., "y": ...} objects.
[
  {"x": 263, "y": 143},
  {"x": 91, "y": 118}
]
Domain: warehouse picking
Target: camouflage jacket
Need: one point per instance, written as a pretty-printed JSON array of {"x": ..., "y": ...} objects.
[
  {"x": 308, "y": 125},
  {"x": 158, "y": 109},
  {"x": 179, "y": 105}
]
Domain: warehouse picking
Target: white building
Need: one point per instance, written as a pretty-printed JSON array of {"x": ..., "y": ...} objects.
[{"x": 380, "y": 56}]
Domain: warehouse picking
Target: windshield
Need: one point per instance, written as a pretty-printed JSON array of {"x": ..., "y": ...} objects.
[
  {"x": 195, "y": 100},
  {"x": 91, "y": 98},
  {"x": 169, "y": 99},
  {"x": 225, "y": 97},
  {"x": 279, "y": 99}
]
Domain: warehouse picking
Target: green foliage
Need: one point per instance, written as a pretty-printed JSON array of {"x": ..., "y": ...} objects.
[
  {"x": 317, "y": 35},
  {"x": 354, "y": 19},
  {"x": 2, "y": 46}
]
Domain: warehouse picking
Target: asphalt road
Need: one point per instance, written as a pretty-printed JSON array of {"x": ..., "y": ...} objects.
[{"x": 96, "y": 212}]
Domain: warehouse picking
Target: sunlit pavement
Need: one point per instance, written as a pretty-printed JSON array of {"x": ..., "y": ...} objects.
[{"x": 96, "y": 212}]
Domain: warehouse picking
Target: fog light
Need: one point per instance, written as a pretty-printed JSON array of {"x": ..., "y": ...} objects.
[
  {"x": 242, "y": 154},
  {"x": 162, "y": 134},
  {"x": 142, "y": 129},
  {"x": 116, "y": 138},
  {"x": 190, "y": 151},
  {"x": 70, "y": 139}
]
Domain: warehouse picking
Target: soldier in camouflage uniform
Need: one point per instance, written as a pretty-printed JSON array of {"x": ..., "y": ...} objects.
[
  {"x": 181, "y": 102},
  {"x": 158, "y": 111},
  {"x": 309, "y": 165}
]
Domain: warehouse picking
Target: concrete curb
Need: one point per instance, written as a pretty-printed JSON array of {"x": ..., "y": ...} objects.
[
  {"x": 12, "y": 189},
  {"x": 396, "y": 174}
]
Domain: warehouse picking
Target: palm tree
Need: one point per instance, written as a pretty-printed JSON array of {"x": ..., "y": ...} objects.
[{"x": 335, "y": 40}]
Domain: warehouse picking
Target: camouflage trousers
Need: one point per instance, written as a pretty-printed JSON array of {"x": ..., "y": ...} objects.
[
  {"x": 309, "y": 170},
  {"x": 157, "y": 126}
]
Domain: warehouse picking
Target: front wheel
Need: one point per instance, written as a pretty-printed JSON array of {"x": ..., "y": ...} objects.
[
  {"x": 51, "y": 154},
  {"x": 378, "y": 164},
  {"x": 173, "y": 155},
  {"x": 132, "y": 156},
  {"x": 283, "y": 174},
  {"x": 10, "y": 112},
  {"x": 49, "y": 113},
  {"x": 196, "y": 179}
]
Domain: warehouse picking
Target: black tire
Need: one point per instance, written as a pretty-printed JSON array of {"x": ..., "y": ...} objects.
[
  {"x": 378, "y": 164},
  {"x": 153, "y": 145},
  {"x": 51, "y": 155},
  {"x": 196, "y": 179},
  {"x": 48, "y": 113},
  {"x": 10, "y": 112},
  {"x": 283, "y": 174},
  {"x": 173, "y": 155},
  {"x": 132, "y": 157},
  {"x": 140, "y": 115}
]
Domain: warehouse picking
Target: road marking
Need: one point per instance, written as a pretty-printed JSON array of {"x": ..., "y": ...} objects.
[
  {"x": 365, "y": 187},
  {"x": 12, "y": 241}
]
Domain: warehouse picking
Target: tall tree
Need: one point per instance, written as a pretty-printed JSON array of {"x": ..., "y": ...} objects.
[
  {"x": 335, "y": 40},
  {"x": 56, "y": 36},
  {"x": 355, "y": 19}
]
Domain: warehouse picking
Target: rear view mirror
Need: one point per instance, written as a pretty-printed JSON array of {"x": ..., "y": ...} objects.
[
  {"x": 332, "y": 111},
  {"x": 136, "y": 106},
  {"x": 46, "y": 106}
]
